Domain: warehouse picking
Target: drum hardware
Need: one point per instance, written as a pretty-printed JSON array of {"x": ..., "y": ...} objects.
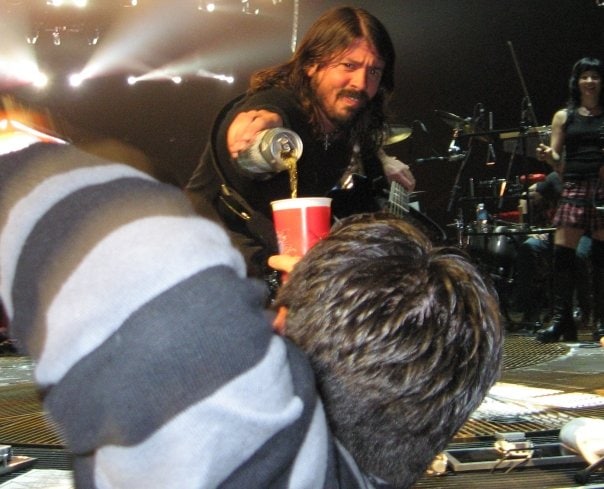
[
  {"x": 538, "y": 132},
  {"x": 532, "y": 136},
  {"x": 491, "y": 156},
  {"x": 458, "y": 224},
  {"x": 456, "y": 187},
  {"x": 494, "y": 185},
  {"x": 487, "y": 199},
  {"x": 461, "y": 128}
]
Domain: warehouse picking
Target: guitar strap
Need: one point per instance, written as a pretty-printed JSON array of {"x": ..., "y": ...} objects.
[{"x": 258, "y": 225}]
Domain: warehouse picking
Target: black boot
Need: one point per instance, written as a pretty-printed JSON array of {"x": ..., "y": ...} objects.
[
  {"x": 562, "y": 324},
  {"x": 598, "y": 288},
  {"x": 583, "y": 284}
]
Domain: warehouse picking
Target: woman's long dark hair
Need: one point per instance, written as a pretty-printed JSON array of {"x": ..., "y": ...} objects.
[
  {"x": 328, "y": 37},
  {"x": 580, "y": 67}
]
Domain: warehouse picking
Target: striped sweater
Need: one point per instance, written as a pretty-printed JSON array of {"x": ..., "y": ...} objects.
[{"x": 152, "y": 349}]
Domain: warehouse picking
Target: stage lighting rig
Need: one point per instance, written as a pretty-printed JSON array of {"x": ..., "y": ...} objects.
[
  {"x": 65, "y": 3},
  {"x": 56, "y": 37},
  {"x": 205, "y": 6},
  {"x": 94, "y": 37},
  {"x": 247, "y": 9},
  {"x": 33, "y": 37}
]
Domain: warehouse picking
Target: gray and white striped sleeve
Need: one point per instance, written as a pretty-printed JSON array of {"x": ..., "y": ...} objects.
[{"x": 152, "y": 348}]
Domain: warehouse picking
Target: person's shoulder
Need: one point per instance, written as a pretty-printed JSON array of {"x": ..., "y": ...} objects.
[
  {"x": 273, "y": 95},
  {"x": 282, "y": 101},
  {"x": 560, "y": 117}
]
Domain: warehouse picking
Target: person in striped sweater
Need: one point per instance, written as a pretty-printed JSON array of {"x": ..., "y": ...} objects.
[{"x": 158, "y": 361}]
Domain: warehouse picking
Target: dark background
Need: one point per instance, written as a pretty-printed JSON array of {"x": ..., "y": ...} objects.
[{"x": 451, "y": 56}]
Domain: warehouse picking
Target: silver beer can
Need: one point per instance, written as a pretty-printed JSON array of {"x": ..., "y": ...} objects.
[{"x": 266, "y": 153}]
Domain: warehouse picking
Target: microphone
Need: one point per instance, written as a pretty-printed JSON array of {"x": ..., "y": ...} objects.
[
  {"x": 431, "y": 159},
  {"x": 441, "y": 158},
  {"x": 491, "y": 157},
  {"x": 457, "y": 157},
  {"x": 479, "y": 121}
]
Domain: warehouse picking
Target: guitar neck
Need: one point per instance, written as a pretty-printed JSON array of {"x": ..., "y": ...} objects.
[{"x": 398, "y": 200}]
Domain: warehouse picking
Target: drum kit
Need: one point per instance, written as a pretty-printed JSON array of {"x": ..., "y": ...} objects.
[
  {"x": 500, "y": 210},
  {"x": 498, "y": 234},
  {"x": 493, "y": 232}
]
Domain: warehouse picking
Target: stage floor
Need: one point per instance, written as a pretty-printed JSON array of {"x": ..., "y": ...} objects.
[{"x": 542, "y": 387}]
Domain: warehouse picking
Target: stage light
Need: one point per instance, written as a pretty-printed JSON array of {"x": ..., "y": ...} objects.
[
  {"x": 206, "y": 6},
  {"x": 73, "y": 3},
  {"x": 224, "y": 78},
  {"x": 33, "y": 38},
  {"x": 131, "y": 3},
  {"x": 76, "y": 80},
  {"x": 132, "y": 80},
  {"x": 40, "y": 80},
  {"x": 94, "y": 38},
  {"x": 177, "y": 79},
  {"x": 247, "y": 9}
]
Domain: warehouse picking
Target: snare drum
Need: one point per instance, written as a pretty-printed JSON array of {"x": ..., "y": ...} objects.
[{"x": 476, "y": 241}]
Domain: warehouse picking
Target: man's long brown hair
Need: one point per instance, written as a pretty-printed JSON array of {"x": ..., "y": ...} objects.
[{"x": 328, "y": 37}]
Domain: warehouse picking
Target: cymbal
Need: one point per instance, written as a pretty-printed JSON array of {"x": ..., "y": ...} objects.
[
  {"x": 458, "y": 123},
  {"x": 455, "y": 121},
  {"x": 397, "y": 133}
]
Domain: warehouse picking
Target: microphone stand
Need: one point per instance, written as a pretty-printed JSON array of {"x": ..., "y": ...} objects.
[
  {"x": 529, "y": 105},
  {"x": 475, "y": 120},
  {"x": 456, "y": 187},
  {"x": 521, "y": 137},
  {"x": 525, "y": 123}
]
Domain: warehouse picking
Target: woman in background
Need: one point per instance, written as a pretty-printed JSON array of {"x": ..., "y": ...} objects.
[{"x": 576, "y": 151}]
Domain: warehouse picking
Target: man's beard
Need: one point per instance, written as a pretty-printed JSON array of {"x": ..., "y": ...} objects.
[
  {"x": 346, "y": 119},
  {"x": 352, "y": 113}
]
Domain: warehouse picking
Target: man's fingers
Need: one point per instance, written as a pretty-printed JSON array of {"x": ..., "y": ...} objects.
[{"x": 283, "y": 263}]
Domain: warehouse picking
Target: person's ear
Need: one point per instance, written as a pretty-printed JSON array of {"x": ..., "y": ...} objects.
[{"x": 311, "y": 70}]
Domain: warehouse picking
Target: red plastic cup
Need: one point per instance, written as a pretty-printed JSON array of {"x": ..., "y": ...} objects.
[{"x": 300, "y": 223}]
